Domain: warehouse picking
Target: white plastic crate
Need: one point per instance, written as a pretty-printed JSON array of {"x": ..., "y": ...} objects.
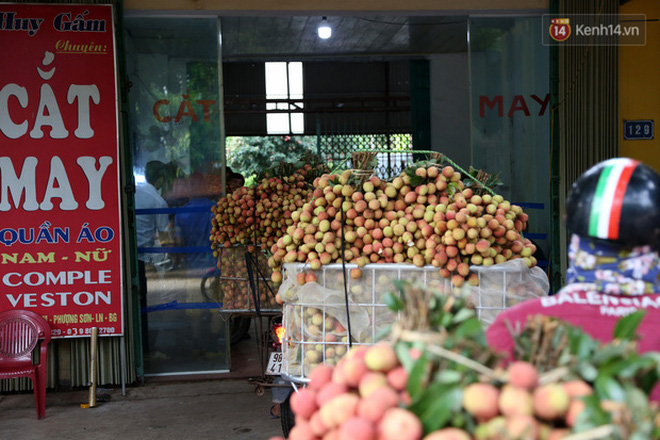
[{"x": 315, "y": 315}]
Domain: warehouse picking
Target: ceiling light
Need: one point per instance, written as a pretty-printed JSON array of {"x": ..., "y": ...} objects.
[{"x": 324, "y": 30}]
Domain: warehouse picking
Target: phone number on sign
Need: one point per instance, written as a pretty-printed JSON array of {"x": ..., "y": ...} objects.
[{"x": 83, "y": 331}]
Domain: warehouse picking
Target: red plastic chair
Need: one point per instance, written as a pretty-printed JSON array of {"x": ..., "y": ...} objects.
[{"x": 20, "y": 332}]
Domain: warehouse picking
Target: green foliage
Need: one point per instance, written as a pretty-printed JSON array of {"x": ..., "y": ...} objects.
[
  {"x": 253, "y": 155},
  {"x": 437, "y": 405},
  {"x": 482, "y": 181},
  {"x": 486, "y": 39},
  {"x": 415, "y": 180},
  {"x": 411, "y": 170},
  {"x": 438, "y": 322},
  {"x": 441, "y": 343},
  {"x": 364, "y": 160},
  {"x": 617, "y": 372},
  {"x": 205, "y": 146},
  {"x": 317, "y": 167},
  {"x": 185, "y": 145},
  {"x": 393, "y": 302},
  {"x": 627, "y": 326}
]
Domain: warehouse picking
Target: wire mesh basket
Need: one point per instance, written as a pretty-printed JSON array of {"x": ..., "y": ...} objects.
[
  {"x": 240, "y": 280},
  {"x": 317, "y": 318}
]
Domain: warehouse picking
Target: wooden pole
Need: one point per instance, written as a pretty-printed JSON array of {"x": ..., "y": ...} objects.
[{"x": 92, "y": 361}]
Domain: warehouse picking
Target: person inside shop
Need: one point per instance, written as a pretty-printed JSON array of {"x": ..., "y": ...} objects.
[
  {"x": 613, "y": 216},
  {"x": 193, "y": 225},
  {"x": 234, "y": 180},
  {"x": 192, "y": 228},
  {"x": 150, "y": 229}
]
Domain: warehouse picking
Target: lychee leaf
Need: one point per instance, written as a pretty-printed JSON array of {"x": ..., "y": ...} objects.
[
  {"x": 400, "y": 286},
  {"x": 636, "y": 400},
  {"x": 393, "y": 302},
  {"x": 633, "y": 366},
  {"x": 445, "y": 320},
  {"x": 448, "y": 376},
  {"x": 416, "y": 180},
  {"x": 471, "y": 329},
  {"x": 614, "y": 367},
  {"x": 609, "y": 352},
  {"x": 463, "y": 314},
  {"x": 441, "y": 409},
  {"x": 626, "y": 327},
  {"x": 462, "y": 420},
  {"x": 582, "y": 345},
  {"x": 373, "y": 163},
  {"x": 592, "y": 416},
  {"x": 422, "y": 402},
  {"x": 417, "y": 377},
  {"x": 403, "y": 354},
  {"x": 608, "y": 388},
  {"x": 410, "y": 171},
  {"x": 587, "y": 371},
  {"x": 383, "y": 332}
]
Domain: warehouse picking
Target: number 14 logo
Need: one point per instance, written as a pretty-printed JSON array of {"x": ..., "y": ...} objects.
[{"x": 560, "y": 29}]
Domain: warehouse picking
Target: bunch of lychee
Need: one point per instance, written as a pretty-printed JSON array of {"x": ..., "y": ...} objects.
[
  {"x": 331, "y": 337},
  {"x": 437, "y": 221},
  {"x": 523, "y": 409},
  {"x": 361, "y": 398},
  {"x": 364, "y": 398},
  {"x": 371, "y": 289},
  {"x": 234, "y": 285},
  {"x": 261, "y": 213},
  {"x": 233, "y": 282}
]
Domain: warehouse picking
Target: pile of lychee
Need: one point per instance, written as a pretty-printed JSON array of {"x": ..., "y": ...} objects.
[
  {"x": 428, "y": 219},
  {"x": 329, "y": 335},
  {"x": 361, "y": 398},
  {"x": 364, "y": 398},
  {"x": 523, "y": 408},
  {"x": 266, "y": 208},
  {"x": 234, "y": 285}
]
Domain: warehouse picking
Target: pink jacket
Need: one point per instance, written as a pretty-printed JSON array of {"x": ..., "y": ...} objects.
[{"x": 596, "y": 313}]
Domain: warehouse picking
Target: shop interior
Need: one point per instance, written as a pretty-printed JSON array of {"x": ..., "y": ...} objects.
[{"x": 204, "y": 87}]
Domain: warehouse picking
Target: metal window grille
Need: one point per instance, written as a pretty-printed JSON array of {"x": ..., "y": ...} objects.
[{"x": 397, "y": 155}]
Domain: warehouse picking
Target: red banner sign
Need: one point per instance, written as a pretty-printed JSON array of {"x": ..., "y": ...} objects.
[{"x": 60, "y": 244}]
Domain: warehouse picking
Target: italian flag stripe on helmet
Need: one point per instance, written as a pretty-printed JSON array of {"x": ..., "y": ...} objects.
[{"x": 608, "y": 199}]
